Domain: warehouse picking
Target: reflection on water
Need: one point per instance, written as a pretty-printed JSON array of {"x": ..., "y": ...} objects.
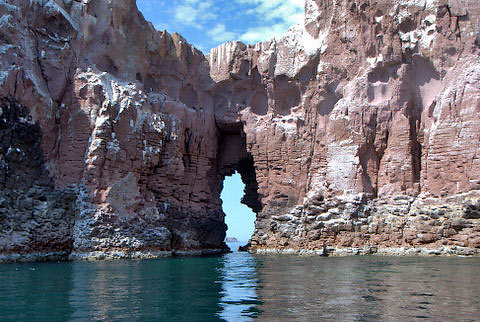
[
  {"x": 168, "y": 289},
  {"x": 242, "y": 287},
  {"x": 239, "y": 286},
  {"x": 369, "y": 288}
]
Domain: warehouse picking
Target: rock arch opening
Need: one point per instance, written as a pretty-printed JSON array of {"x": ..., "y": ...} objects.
[
  {"x": 237, "y": 164},
  {"x": 240, "y": 219}
]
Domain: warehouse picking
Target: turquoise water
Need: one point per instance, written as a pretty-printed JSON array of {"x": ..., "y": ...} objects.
[{"x": 242, "y": 287}]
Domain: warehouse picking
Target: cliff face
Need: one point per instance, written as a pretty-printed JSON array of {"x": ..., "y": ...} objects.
[
  {"x": 363, "y": 126},
  {"x": 355, "y": 132},
  {"x": 124, "y": 123}
]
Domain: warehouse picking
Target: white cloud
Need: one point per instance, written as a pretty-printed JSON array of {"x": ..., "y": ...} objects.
[
  {"x": 277, "y": 16},
  {"x": 284, "y": 10},
  {"x": 263, "y": 33},
  {"x": 220, "y": 34},
  {"x": 194, "y": 12}
]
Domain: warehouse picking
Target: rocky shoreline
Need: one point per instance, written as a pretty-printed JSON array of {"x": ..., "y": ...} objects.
[
  {"x": 374, "y": 251},
  {"x": 327, "y": 252},
  {"x": 104, "y": 255}
]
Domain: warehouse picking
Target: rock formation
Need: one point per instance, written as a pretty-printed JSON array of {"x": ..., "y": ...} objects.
[{"x": 356, "y": 132}]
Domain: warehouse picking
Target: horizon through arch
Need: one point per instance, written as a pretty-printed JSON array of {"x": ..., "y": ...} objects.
[{"x": 239, "y": 218}]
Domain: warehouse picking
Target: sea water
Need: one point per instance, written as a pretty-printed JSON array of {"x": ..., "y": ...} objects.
[{"x": 243, "y": 287}]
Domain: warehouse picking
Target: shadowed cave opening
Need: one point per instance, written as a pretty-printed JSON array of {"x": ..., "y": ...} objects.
[{"x": 238, "y": 184}]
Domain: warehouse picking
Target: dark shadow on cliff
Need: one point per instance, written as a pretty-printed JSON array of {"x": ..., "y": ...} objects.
[{"x": 29, "y": 202}]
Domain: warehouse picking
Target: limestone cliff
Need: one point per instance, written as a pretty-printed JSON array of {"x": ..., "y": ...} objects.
[{"x": 357, "y": 131}]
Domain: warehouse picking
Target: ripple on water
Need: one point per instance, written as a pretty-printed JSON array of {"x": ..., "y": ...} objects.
[{"x": 243, "y": 287}]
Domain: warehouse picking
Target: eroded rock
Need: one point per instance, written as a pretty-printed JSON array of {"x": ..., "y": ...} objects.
[{"x": 355, "y": 133}]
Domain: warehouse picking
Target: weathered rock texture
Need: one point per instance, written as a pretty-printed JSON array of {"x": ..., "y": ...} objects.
[
  {"x": 358, "y": 131},
  {"x": 115, "y": 108}
]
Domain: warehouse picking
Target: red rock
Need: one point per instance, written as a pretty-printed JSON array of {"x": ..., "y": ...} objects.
[{"x": 365, "y": 119}]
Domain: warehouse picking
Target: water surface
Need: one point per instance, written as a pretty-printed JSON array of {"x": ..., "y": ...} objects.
[{"x": 243, "y": 287}]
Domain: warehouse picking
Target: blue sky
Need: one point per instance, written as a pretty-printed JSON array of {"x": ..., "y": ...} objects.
[
  {"x": 240, "y": 219},
  {"x": 209, "y": 23}
]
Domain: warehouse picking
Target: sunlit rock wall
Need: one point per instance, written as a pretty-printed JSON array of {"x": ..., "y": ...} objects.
[
  {"x": 356, "y": 132},
  {"x": 363, "y": 126}
]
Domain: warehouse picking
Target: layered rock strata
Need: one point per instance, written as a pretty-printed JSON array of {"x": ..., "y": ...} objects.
[
  {"x": 363, "y": 126},
  {"x": 356, "y": 132}
]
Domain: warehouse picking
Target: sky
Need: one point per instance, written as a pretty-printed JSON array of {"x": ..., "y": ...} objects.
[
  {"x": 240, "y": 219},
  {"x": 209, "y": 23}
]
